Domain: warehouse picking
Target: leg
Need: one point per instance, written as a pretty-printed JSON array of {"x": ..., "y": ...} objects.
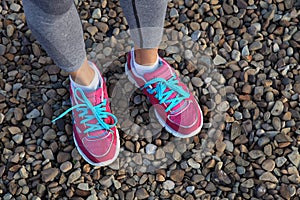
[
  {"x": 175, "y": 106},
  {"x": 146, "y": 22},
  {"x": 57, "y": 26}
]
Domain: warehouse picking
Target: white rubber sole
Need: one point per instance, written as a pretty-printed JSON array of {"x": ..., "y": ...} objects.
[
  {"x": 102, "y": 164},
  {"x": 162, "y": 122}
]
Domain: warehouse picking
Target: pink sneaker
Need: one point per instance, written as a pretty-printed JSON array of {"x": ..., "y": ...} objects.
[
  {"x": 175, "y": 107},
  {"x": 94, "y": 126}
]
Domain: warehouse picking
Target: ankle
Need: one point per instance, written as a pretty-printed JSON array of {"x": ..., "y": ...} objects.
[
  {"x": 146, "y": 57},
  {"x": 84, "y": 75}
]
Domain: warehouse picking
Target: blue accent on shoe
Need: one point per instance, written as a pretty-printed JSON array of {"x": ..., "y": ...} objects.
[
  {"x": 162, "y": 96},
  {"x": 98, "y": 112}
]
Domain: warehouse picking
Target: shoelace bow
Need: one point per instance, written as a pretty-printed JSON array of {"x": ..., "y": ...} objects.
[
  {"x": 98, "y": 112},
  {"x": 164, "y": 97}
]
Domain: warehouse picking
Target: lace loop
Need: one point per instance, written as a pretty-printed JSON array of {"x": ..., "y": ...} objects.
[
  {"x": 98, "y": 112},
  {"x": 164, "y": 96}
]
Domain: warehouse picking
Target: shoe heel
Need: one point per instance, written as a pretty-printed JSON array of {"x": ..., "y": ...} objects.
[{"x": 129, "y": 75}]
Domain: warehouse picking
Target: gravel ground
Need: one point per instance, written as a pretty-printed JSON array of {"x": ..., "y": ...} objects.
[{"x": 239, "y": 57}]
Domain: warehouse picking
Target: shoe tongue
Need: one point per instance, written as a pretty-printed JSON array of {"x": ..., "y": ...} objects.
[
  {"x": 94, "y": 97},
  {"x": 166, "y": 73},
  {"x": 163, "y": 71}
]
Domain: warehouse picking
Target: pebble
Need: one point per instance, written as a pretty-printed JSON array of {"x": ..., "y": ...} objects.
[
  {"x": 287, "y": 191},
  {"x": 2, "y": 117},
  {"x": 289, "y": 4},
  {"x": 197, "y": 82},
  {"x": 294, "y": 157},
  {"x": 268, "y": 176},
  {"x": 106, "y": 181},
  {"x": 188, "y": 3},
  {"x": 49, "y": 135},
  {"x": 233, "y": 22},
  {"x": 248, "y": 183},
  {"x": 235, "y": 130},
  {"x": 96, "y": 13},
  {"x": 190, "y": 189},
  {"x": 261, "y": 190},
  {"x": 177, "y": 175},
  {"x": 242, "y": 4},
  {"x": 210, "y": 187},
  {"x": 48, "y": 154},
  {"x": 23, "y": 172},
  {"x": 280, "y": 161},
  {"x": 296, "y": 36},
  {"x": 276, "y": 122},
  {"x": 137, "y": 99},
  {"x": 92, "y": 30},
  {"x": 174, "y": 13},
  {"x": 18, "y": 138},
  {"x": 223, "y": 106},
  {"x": 168, "y": 185},
  {"x": 254, "y": 154},
  {"x": 255, "y": 46},
  {"x": 236, "y": 55},
  {"x": 276, "y": 48},
  {"x": 14, "y": 130},
  {"x": 151, "y": 149},
  {"x": 142, "y": 194},
  {"x": 18, "y": 114},
  {"x": 83, "y": 186},
  {"x": 15, "y": 7},
  {"x": 66, "y": 166},
  {"x": 74, "y": 176},
  {"x": 49, "y": 174},
  {"x": 33, "y": 114},
  {"x": 277, "y": 108},
  {"x": 41, "y": 188},
  {"x": 193, "y": 163},
  {"x": 241, "y": 170},
  {"x": 2, "y": 49},
  {"x": 10, "y": 30},
  {"x": 268, "y": 165},
  {"x": 219, "y": 60},
  {"x": 195, "y": 35}
]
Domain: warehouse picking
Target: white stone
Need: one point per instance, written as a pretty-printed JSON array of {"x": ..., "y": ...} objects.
[
  {"x": 219, "y": 60},
  {"x": 96, "y": 13},
  {"x": 151, "y": 148},
  {"x": 168, "y": 185}
]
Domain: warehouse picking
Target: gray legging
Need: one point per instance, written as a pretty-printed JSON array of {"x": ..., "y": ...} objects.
[{"x": 56, "y": 25}]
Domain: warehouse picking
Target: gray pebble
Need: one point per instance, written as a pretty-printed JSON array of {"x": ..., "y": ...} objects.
[
  {"x": 223, "y": 106},
  {"x": 174, "y": 13},
  {"x": 255, "y": 46},
  {"x": 33, "y": 114},
  {"x": 48, "y": 154},
  {"x": 2, "y": 49},
  {"x": 196, "y": 81},
  {"x": 233, "y": 22},
  {"x": 196, "y": 35},
  {"x": 277, "y": 108}
]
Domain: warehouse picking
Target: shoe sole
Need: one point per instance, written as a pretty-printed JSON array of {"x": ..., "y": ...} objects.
[
  {"x": 162, "y": 122},
  {"x": 102, "y": 164}
]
